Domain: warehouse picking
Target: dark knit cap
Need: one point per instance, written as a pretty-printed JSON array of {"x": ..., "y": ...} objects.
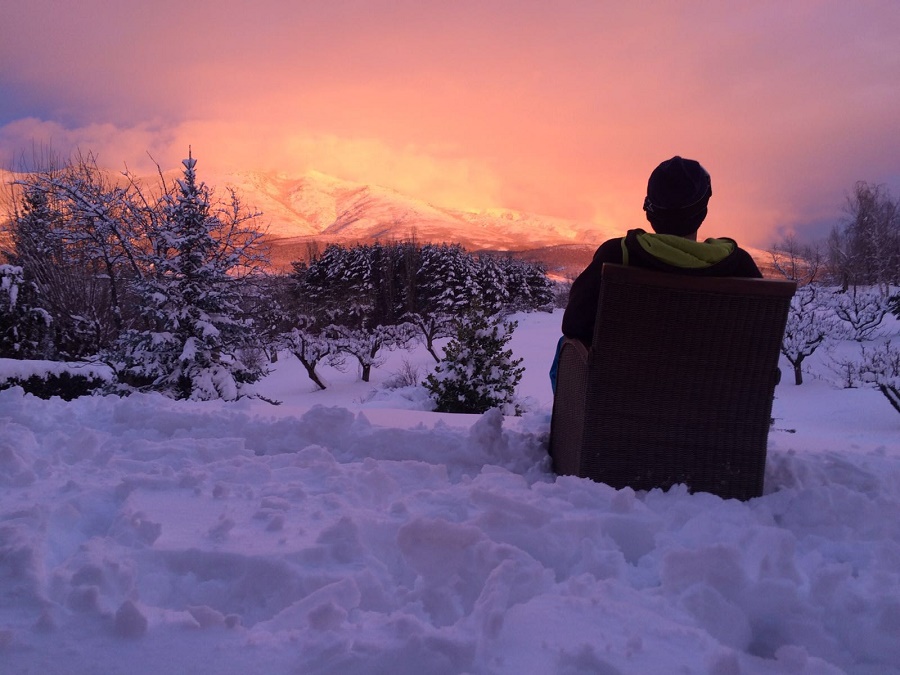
[{"x": 677, "y": 194}]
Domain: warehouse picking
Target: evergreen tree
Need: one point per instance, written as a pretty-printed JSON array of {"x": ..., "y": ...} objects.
[
  {"x": 445, "y": 286},
  {"x": 24, "y": 327},
  {"x": 65, "y": 281},
  {"x": 477, "y": 373},
  {"x": 492, "y": 284},
  {"x": 194, "y": 338}
]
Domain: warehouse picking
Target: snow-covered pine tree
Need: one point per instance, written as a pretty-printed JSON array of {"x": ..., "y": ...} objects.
[
  {"x": 478, "y": 372},
  {"x": 445, "y": 283},
  {"x": 527, "y": 285},
  {"x": 193, "y": 336},
  {"x": 492, "y": 284},
  {"x": 65, "y": 282},
  {"x": 446, "y": 280},
  {"x": 24, "y": 327}
]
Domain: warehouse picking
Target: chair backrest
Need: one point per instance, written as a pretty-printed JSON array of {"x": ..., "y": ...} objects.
[{"x": 680, "y": 381}]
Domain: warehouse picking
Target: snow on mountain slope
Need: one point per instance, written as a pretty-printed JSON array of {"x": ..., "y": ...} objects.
[
  {"x": 318, "y": 206},
  {"x": 314, "y": 207}
]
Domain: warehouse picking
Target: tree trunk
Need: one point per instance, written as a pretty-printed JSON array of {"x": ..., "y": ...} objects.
[
  {"x": 311, "y": 371},
  {"x": 798, "y": 373},
  {"x": 892, "y": 394}
]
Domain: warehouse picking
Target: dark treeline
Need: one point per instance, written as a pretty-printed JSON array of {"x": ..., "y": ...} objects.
[{"x": 361, "y": 300}]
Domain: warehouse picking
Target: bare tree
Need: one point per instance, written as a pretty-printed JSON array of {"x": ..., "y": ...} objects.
[
  {"x": 799, "y": 262},
  {"x": 864, "y": 249},
  {"x": 810, "y": 322}
]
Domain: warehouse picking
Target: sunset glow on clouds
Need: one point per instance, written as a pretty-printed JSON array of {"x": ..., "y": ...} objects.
[{"x": 556, "y": 108}]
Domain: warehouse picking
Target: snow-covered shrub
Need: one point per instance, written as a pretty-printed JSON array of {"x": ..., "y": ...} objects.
[
  {"x": 407, "y": 375},
  {"x": 477, "y": 373},
  {"x": 46, "y": 379},
  {"x": 65, "y": 385}
]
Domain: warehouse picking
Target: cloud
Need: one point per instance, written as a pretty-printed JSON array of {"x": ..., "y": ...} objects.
[
  {"x": 556, "y": 108},
  {"x": 439, "y": 175}
]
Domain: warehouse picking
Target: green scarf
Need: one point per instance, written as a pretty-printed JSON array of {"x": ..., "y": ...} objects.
[{"x": 685, "y": 253}]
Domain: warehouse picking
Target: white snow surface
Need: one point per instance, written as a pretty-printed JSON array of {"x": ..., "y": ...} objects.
[{"x": 352, "y": 531}]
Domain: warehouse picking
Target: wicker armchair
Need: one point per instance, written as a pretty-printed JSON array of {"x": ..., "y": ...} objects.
[{"x": 677, "y": 386}]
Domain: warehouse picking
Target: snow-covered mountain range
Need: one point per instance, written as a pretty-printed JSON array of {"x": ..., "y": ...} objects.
[
  {"x": 314, "y": 205},
  {"x": 314, "y": 209}
]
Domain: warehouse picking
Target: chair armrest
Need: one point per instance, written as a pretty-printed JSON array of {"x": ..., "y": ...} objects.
[{"x": 569, "y": 407}]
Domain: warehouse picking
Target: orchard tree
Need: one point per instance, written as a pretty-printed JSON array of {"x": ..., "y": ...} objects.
[
  {"x": 810, "y": 322},
  {"x": 881, "y": 367},
  {"x": 862, "y": 309},
  {"x": 367, "y": 345},
  {"x": 309, "y": 347}
]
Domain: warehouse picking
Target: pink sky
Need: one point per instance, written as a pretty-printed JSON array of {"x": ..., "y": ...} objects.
[{"x": 557, "y": 108}]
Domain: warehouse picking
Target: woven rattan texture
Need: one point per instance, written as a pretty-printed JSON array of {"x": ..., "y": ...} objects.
[{"x": 678, "y": 387}]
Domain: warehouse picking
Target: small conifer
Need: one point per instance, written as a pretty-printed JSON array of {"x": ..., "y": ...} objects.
[{"x": 477, "y": 372}]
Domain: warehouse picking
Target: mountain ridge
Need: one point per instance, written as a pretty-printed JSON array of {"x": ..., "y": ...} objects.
[{"x": 300, "y": 213}]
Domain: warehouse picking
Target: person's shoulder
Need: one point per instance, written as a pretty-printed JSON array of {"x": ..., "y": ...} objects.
[
  {"x": 744, "y": 261},
  {"x": 610, "y": 251}
]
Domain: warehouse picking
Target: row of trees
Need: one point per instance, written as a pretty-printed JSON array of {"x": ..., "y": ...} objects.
[
  {"x": 167, "y": 285},
  {"x": 361, "y": 300}
]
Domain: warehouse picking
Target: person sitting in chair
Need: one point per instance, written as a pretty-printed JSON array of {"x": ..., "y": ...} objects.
[{"x": 678, "y": 193}]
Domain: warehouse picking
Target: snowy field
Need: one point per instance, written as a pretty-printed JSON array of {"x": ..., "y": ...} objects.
[{"x": 349, "y": 531}]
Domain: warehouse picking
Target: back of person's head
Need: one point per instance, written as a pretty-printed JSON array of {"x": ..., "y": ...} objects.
[{"x": 677, "y": 196}]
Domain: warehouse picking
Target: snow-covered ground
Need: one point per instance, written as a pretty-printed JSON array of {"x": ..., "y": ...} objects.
[{"x": 351, "y": 531}]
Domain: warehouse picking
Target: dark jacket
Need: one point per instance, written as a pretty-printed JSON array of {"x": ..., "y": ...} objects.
[{"x": 666, "y": 253}]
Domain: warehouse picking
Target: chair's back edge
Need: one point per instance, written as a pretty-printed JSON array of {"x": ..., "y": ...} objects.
[{"x": 781, "y": 288}]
